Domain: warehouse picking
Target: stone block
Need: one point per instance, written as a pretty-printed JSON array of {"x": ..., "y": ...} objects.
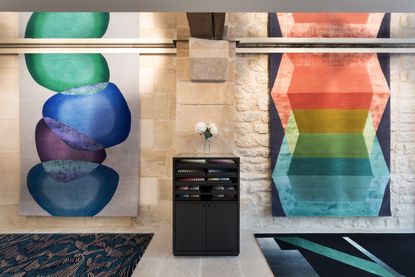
[
  {"x": 158, "y": 33},
  {"x": 251, "y": 24},
  {"x": 247, "y": 141},
  {"x": 60, "y": 223},
  {"x": 9, "y": 105},
  {"x": 182, "y": 69},
  {"x": 9, "y": 20},
  {"x": 154, "y": 106},
  {"x": 94, "y": 222},
  {"x": 205, "y": 93},
  {"x": 9, "y": 33},
  {"x": 181, "y": 19},
  {"x": 231, "y": 70},
  {"x": 248, "y": 116},
  {"x": 9, "y": 61},
  {"x": 183, "y": 32},
  {"x": 263, "y": 103},
  {"x": 205, "y": 48},
  {"x": 209, "y": 69},
  {"x": 262, "y": 128},
  {"x": 208, "y": 59},
  {"x": 224, "y": 142},
  {"x": 165, "y": 189},
  {"x": 8, "y": 76},
  {"x": 9, "y": 190},
  {"x": 149, "y": 191},
  {"x": 109, "y": 222},
  {"x": 152, "y": 163},
  {"x": 244, "y": 128},
  {"x": 9, "y": 24},
  {"x": 12, "y": 221},
  {"x": 188, "y": 142},
  {"x": 163, "y": 133},
  {"x": 188, "y": 115},
  {"x": 172, "y": 106},
  {"x": 165, "y": 20},
  {"x": 246, "y": 104},
  {"x": 157, "y": 61},
  {"x": 169, "y": 161},
  {"x": 164, "y": 80},
  {"x": 161, "y": 106},
  {"x": 117, "y": 221},
  {"x": 254, "y": 152},
  {"x": 147, "y": 106},
  {"x": 182, "y": 49},
  {"x": 146, "y": 81},
  {"x": 10, "y": 163},
  {"x": 9, "y": 133},
  {"x": 146, "y": 133},
  {"x": 229, "y": 33}
]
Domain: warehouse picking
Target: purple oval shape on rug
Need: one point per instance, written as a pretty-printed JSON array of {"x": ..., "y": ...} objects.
[
  {"x": 50, "y": 147},
  {"x": 72, "y": 137}
]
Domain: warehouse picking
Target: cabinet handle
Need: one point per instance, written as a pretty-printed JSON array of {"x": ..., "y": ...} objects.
[
  {"x": 208, "y": 205},
  {"x": 203, "y": 205}
]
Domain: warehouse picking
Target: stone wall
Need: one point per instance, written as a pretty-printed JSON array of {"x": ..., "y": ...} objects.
[{"x": 170, "y": 105}]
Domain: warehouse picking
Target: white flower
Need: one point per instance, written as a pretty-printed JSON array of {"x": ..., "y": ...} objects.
[
  {"x": 200, "y": 127},
  {"x": 212, "y": 128}
]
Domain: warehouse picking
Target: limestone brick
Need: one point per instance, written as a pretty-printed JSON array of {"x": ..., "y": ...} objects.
[
  {"x": 9, "y": 133},
  {"x": 205, "y": 93},
  {"x": 146, "y": 80},
  {"x": 149, "y": 191},
  {"x": 152, "y": 163},
  {"x": 188, "y": 115},
  {"x": 163, "y": 133},
  {"x": 146, "y": 133},
  {"x": 164, "y": 80}
]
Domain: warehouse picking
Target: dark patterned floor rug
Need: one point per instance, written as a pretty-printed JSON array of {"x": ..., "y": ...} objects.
[
  {"x": 64, "y": 255},
  {"x": 339, "y": 254}
]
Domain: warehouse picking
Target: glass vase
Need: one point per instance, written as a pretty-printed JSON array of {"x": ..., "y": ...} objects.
[{"x": 206, "y": 146}]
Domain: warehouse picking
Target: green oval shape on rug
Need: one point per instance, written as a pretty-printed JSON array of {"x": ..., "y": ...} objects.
[
  {"x": 59, "y": 72},
  {"x": 67, "y": 25}
]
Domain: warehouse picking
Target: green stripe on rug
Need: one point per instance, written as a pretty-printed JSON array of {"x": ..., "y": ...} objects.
[{"x": 338, "y": 255}]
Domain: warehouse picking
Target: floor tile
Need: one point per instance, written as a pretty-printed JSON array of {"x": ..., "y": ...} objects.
[
  {"x": 221, "y": 266},
  {"x": 181, "y": 267},
  {"x": 159, "y": 261}
]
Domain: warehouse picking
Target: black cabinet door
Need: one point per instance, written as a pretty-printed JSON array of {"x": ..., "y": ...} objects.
[
  {"x": 222, "y": 227},
  {"x": 190, "y": 227}
]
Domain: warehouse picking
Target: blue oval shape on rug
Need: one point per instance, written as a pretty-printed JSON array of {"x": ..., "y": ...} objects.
[
  {"x": 85, "y": 194},
  {"x": 103, "y": 116}
]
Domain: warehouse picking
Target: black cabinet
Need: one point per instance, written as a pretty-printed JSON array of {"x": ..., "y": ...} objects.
[
  {"x": 221, "y": 227},
  {"x": 194, "y": 238},
  {"x": 206, "y": 206}
]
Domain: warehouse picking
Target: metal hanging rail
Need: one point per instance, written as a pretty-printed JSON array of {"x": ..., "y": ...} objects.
[
  {"x": 243, "y": 45},
  {"x": 324, "y": 45},
  {"x": 88, "y": 45}
]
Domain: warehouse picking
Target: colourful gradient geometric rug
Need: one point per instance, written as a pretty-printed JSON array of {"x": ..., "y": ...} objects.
[
  {"x": 71, "y": 254},
  {"x": 339, "y": 254},
  {"x": 330, "y": 120}
]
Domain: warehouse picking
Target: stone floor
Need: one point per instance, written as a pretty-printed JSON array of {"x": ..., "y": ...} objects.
[{"x": 158, "y": 260}]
